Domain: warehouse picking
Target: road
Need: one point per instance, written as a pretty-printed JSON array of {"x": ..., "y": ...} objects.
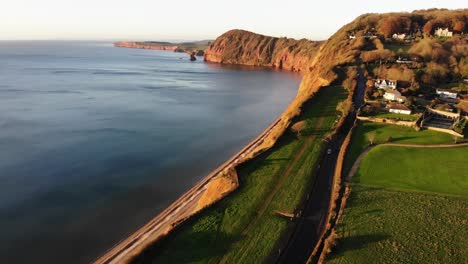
[
  {"x": 308, "y": 227},
  {"x": 177, "y": 212}
]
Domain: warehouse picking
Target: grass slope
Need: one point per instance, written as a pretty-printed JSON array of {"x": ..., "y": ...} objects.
[
  {"x": 408, "y": 205},
  {"x": 242, "y": 228},
  {"x": 400, "y": 134}
]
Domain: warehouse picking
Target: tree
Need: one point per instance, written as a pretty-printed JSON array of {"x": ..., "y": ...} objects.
[
  {"x": 394, "y": 24},
  {"x": 458, "y": 26},
  {"x": 428, "y": 27},
  {"x": 344, "y": 106},
  {"x": 371, "y": 138}
]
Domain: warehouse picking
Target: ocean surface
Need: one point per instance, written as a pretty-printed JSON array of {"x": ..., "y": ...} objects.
[{"x": 96, "y": 140}]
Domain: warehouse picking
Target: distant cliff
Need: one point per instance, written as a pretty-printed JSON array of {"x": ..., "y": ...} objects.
[
  {"x": 143, "y": 45},
  {"x": 248, "y": 48},
  {"x": 196, "y": 47}
]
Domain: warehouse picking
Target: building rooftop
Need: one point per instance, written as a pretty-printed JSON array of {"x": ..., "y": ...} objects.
[{"x": 398, "y": 107}]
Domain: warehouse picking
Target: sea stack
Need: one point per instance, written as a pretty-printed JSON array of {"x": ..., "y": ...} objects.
[{"x": 192, "y": 56}]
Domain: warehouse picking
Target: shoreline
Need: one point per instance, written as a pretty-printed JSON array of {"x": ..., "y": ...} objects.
[{"x": 163, "y": 223}]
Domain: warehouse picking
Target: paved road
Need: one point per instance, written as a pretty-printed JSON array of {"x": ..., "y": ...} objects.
[
  {"x": 310, "y": 224},
  {"x": 177, "y": 212}
]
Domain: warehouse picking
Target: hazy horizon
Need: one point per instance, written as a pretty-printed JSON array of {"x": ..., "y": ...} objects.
[{"x": 149, "y": 20}]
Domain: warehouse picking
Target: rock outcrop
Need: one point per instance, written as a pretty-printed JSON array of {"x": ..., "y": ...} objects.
[{"x": 248, "y": 48}]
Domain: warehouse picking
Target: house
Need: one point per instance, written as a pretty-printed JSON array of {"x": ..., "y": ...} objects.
[
  {"x": 370, "y": 35},
  {"x": 399, "y": 36},
  {"x": 443, "y": 32},
  {"x": 394, "y": 95},
  {"x": 403, "y": 60},
  {"x": 410, "y": 38},
  {"x": 398, "y": 109},
  {"x": 385, "y": 84},
  {"x": 447, "y": 93}
]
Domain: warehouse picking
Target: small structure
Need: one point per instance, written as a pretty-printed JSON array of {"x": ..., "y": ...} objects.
[
  {"x": 385, "y": 84},
  {"x": 403, "y": 60},
  {"x": 444, "y": 93},
  {"x": 394, "y": 95},
  {"x": 443, "y": 32},
  {"x": 398, "y": 109},
  {"x": 410, "y": 38},
  {"x": 399, "y": 36},
  {"x": 370, "y": 35}
]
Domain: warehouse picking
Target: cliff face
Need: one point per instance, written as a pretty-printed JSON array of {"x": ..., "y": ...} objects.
[
  {"x": 136, "y": 45},
  {"x": 247, "y": 48}
]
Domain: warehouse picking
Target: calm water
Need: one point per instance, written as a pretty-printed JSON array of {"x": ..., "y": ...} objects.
[{"x": 96, "y": 140}]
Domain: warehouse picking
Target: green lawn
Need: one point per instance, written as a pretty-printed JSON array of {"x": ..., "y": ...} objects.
[
  {"x": 439, "y": 170},
  {"x": 399, "y": 134},
  {"x": 406, "y": 206},
  {"x": 395, "y": 47},
  {"x": 398, "y": 116},
  {"x": 242, "y": 228}
]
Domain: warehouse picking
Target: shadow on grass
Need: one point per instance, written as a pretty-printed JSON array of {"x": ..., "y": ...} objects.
[
  {"x": 402, "y": 138},
  {"x": 217, "y": 244},
  {"x": 347, "y": 244}
]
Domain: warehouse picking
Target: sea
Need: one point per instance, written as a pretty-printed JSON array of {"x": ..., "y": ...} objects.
[{"x": 97, "y": 140}]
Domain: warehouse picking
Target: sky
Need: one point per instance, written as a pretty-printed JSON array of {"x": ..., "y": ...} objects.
[{"x": 188, "y": 20}]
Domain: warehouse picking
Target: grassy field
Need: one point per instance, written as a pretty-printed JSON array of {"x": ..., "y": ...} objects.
[
  {"x": 398, "y": 116},
  {"x": 408, "y": 205},
  {"x": 243, "y": 228},
  {"x": 399, "y": 134},
  {"x": 416, "y": 169}
]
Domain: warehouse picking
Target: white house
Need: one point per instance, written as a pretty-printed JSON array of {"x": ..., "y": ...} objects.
[
  {"x": 394, "y": 95},
  {"x": 443, "y": 32},
  {"x": 385, "y": 84},
  {"x": 399, "y": 36},
  {"x": 447, "y": 93},
  {"x": 398, "y": 109}
]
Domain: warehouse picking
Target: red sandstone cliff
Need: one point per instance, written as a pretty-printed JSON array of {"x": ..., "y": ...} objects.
[{"x": 247, "y": 48}]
